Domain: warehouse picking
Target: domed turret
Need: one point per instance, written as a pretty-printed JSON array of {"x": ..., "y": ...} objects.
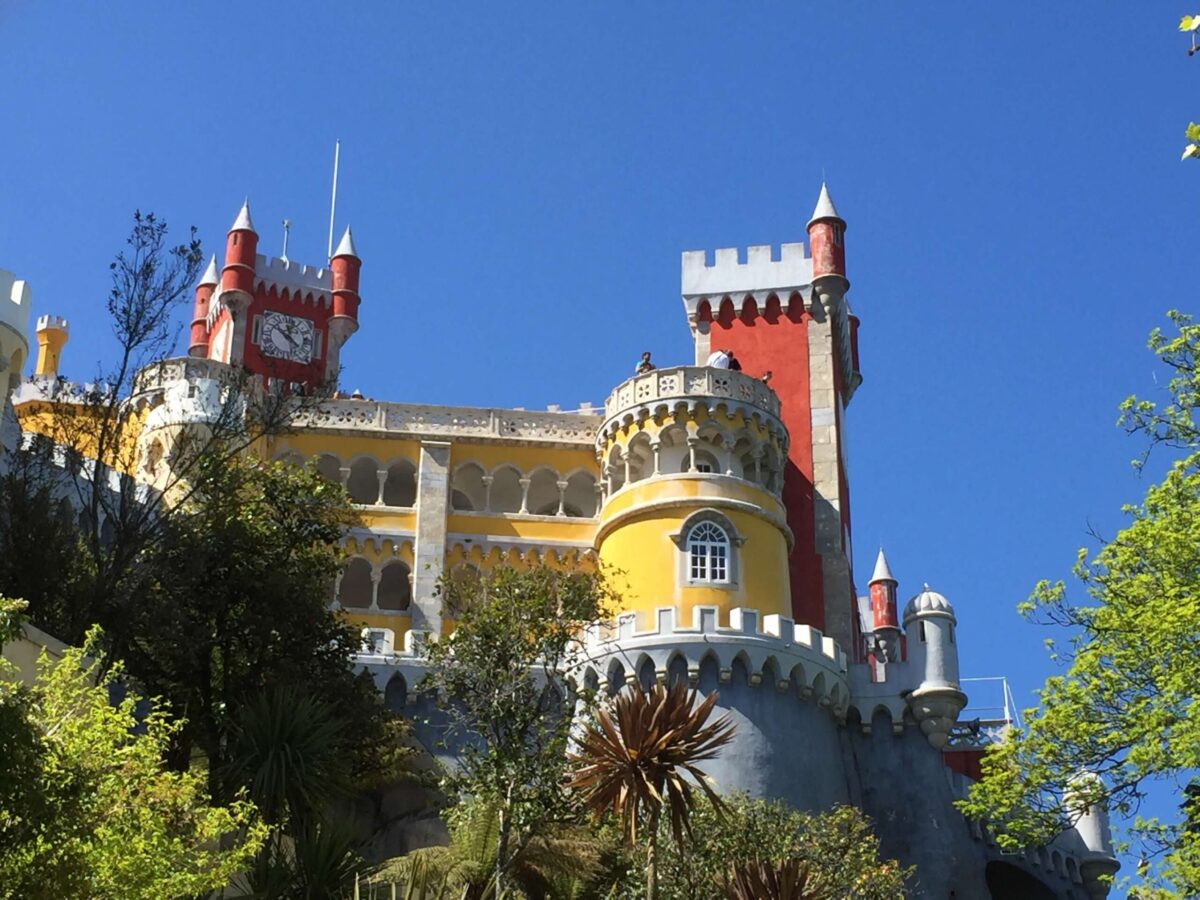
[
  {"x": 695, "y": 454},
  {"x": 1087, "y": 798},
  {"x": 929, "y": 623}
]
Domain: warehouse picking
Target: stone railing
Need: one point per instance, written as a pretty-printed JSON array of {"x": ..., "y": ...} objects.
[
  {"x": 689, "y": 384},
  {"x": 182, "y": 368},
  {"x": 420, "y": 420}
]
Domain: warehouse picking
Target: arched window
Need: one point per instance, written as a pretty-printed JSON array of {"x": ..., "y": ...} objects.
[
  {"x": 543, "y": 498},
  {"x": 468, "y": 493},
  {"x": 363, "y": 483},
  {"x": 400, "y": 487},
  {"x": 329, "y": 468},
  {"x": 395, "y": 589},
  {"x": 708, "y": 553},
  {"x": 357, "y": 589}
]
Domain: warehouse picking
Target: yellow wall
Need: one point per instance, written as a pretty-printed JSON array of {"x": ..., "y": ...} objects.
[
  {"x": 78, "y": 425},
  {"x": 563, "y": 460},
  {"x": 644, "y": 563}
]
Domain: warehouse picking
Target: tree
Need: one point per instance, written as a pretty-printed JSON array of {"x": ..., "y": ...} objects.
[
  {"x": 839, "y": 847},
  {"x": 507, "y": 708},
  {"x": 1125, "y": 708},
  {"x": 87, "y": 808},
  {"x": 236, "y": 603},
  {"x": 788, "y": 879},
  {"x": 99, "y": 461},
  {"x": 645, "y": 755},
  {"x": 557, "y": 860}
]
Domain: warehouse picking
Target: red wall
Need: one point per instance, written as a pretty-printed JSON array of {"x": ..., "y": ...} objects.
[
  {"x": 773, "y": 340},
  {"x": 302, "y": 305},
  {"x": 966, "y": 762}
]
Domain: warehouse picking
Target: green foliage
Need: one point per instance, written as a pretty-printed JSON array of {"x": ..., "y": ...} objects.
[
  {"x": 556, "y": 860},
  {"x": 506, "y": 705},
  {"x": 86, "y": 806},
  {"x": 839, "y": 846},
  {"x": 1125, "y": 708}
]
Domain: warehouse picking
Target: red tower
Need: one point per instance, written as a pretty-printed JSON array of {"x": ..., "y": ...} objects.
[
  {"x": 785, "y": 313},
  {"x": 198, "y": 345},
  {"x": 281, "y": 320}
]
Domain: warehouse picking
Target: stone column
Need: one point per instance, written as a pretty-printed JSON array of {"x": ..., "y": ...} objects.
[
  {"x": 562, "y": 498},
  {"x": 487, "y": 492},
  {"x": 524, "y": 482},
  {"x": 826, "y": 406},
  {"x": 429, "y": 549},
  {"x": 381, "y": 474},
  {"x": 376, "y": 575}
]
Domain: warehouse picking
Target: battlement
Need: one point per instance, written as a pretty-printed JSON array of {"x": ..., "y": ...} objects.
[
  {"x": 46, "y": 322},
  {"x": 779, "y": 652},
  {"x": 16, "y": 302},
  {"x": 763, "y": 269},
  {"x": 294, "y": 276}
]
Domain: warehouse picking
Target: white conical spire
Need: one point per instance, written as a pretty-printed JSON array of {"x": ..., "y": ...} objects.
[
  {"x": 825, "y": 208},
  {"x": 242, "y": 222},
  {"x": 345, "y": 246},
  {"x": 882, "y": 571},
  {"x": 210, "y": 273}
]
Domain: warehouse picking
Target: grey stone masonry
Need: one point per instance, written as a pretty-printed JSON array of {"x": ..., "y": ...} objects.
[
  {"x": 433, "y": 482},
  {"x": 827, "y": 411}
]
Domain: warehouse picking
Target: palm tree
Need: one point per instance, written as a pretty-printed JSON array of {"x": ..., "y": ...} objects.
[
  {"x": 286, "y": 751},
  {"x": 788, "y": 879},
  {"x": 553, "y": 854},
  {"x": 642, "y": 755}
]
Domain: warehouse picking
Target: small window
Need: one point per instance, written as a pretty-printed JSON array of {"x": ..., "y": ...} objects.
[
  {"x": 374, "y": 640},
  {"x": 316, "y": 345},
  {"x": 256, "y": 330},
  {"x": 708, "y": 554},
  {"x": 952, "y": 633},
  {"x": 704, "y": 467},
  {"x": 921, "y": 631}
]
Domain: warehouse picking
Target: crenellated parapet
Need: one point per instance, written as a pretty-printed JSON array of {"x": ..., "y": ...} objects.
[
  {"x": 761, "y": 274},
  {"x": 312, "y": 285},
  {"x": 775, "y": 653}
]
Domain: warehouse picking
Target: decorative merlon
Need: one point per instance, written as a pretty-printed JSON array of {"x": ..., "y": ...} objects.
[
  {"x": 780, "y": 653},
  {"x": 763, "y": 270}
]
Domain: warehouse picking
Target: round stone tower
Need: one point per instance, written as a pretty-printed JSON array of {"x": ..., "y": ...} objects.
[
  {"x": 692, "y": 467},
  {"x": 694, "y": 536}
]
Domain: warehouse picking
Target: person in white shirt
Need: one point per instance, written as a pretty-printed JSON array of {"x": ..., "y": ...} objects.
[{"x": 718, "y": 359}]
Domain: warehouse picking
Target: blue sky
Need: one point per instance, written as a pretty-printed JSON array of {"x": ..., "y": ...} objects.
[{"x": 521, "y": 181}]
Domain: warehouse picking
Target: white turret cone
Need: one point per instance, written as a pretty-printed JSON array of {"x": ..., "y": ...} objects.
[
  {"x": 345, "y": 246},
  {"x": 210, "y": 273},
  {"x": 242, "y": 222},
  {"x": 882, "y": 571},
  {"x": 825, "y": 208}
]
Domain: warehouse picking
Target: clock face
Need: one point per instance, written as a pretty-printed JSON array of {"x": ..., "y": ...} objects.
[{"x": 287, "y": 337}]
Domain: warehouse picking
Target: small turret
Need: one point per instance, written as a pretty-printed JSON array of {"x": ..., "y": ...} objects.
[
  {"x": 198, "y": 345},
  {"x": 1087, "y": 798},
  {"x": 929, "y": 623},
  {"x": 827, "y": 239},
  {"x": 241, "y": 250},
  {"x": 52, "y": 333},
  {"x": 884, "y": 623},
  {"x": 346, "y": 265}
]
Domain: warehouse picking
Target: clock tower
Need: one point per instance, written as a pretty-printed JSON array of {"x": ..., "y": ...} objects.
[{"x": 279, "y": 319}]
